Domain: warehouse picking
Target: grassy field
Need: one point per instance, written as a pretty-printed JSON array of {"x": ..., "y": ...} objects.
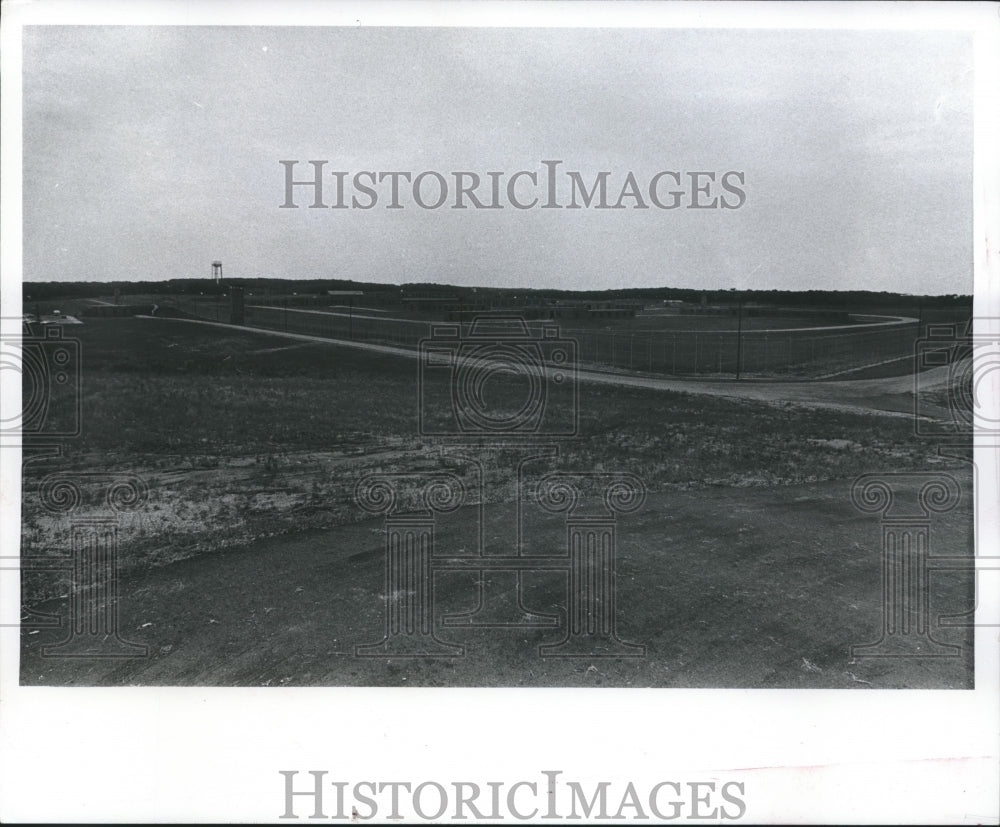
[
  {"x": 803, "y": 347},
  {"x": 252, "y": 445}
]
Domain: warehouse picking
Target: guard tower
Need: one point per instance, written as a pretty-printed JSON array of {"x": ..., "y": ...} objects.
[{"x": 217, "y": 272}]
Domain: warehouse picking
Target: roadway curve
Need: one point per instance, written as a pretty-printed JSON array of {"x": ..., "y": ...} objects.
[{"x": 889, "y": 396}]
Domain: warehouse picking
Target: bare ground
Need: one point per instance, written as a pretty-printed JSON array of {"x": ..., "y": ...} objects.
[
  {"x": 725, "y": 587},
  {"x": 747, "y": 579}
]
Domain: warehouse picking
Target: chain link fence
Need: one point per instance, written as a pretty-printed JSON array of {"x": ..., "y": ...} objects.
[
  {"x": 792, "y": 353},
  {"x": 799, "y": 353}
]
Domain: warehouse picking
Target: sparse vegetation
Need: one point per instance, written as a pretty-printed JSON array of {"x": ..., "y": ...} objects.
[{"x": 240, "y": 438}]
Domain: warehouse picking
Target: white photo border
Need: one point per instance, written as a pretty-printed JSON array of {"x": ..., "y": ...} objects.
[{"x": 195, "y": 754}]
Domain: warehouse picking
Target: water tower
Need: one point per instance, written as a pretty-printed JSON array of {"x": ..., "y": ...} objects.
[{"x": 217, "y": 272}]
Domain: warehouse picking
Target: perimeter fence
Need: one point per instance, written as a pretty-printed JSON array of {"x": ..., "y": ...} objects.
[{"x": 799, "y": 353}]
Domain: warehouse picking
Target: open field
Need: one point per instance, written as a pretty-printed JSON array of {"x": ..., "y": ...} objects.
[
  {"x": 789, "y": 343},
  {"x": 777, "y": 346},
  {"x": 251, "y": 563}
]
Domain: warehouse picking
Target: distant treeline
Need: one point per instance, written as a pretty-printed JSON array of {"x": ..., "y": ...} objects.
[{"x": 41, "y": 291}]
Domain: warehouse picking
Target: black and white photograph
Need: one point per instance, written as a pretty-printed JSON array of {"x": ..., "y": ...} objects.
[{"x": 435, "y": 355}]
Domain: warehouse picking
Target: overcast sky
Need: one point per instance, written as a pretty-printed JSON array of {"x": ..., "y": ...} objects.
[{"x": 149, "y": 152}]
